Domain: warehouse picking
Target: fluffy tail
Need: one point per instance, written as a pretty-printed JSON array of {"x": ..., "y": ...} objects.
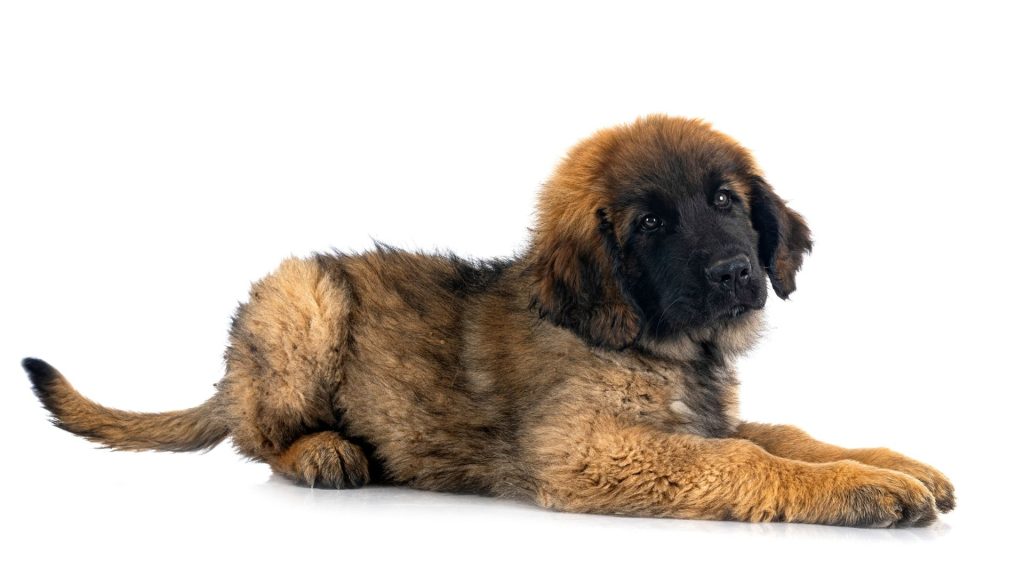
[{"x": 183, "y": 430}]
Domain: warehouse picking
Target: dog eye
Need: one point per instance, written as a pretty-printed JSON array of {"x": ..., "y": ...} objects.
[
  {"x": 651, "y": 222},
  {"x": 722, "y": 199}
]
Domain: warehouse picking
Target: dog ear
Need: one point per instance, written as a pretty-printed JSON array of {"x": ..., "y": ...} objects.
[
  {"x": 578, "y": 283},
  {"x": 782, "y": 237}
]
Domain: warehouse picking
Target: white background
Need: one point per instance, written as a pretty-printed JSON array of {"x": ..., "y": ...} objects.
[{"x": 155, "y": 158}]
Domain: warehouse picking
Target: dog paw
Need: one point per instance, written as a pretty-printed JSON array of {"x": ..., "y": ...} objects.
[
  {"x": 881, "y": 498},
  {"x": 936, "y": 482},
  {"x": 324, "y": 460},
  {"x": 858, "y": 495}
]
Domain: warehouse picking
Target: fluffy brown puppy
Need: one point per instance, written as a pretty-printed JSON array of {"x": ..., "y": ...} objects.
[{"x": 591, "y": 374}]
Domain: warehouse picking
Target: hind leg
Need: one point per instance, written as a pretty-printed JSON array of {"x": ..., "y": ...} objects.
[{"x": 284, "y": 368}]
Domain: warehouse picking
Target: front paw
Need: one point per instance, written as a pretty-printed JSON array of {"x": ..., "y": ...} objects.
[
  {"x": 877, "y": 498},
  {"x": 936, "y": 482}
]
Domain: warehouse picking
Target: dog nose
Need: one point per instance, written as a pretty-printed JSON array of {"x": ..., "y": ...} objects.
[{"x": 729, "y": 273}]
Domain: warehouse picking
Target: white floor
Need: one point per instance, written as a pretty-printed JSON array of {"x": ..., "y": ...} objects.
[{"x": 69, "y": 507}]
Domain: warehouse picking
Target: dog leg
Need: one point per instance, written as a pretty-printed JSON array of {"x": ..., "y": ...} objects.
[
  {"x": 792, "y": 442},
  {"x": 605, "y": 467},
  {"x": 284, "y": 366}
]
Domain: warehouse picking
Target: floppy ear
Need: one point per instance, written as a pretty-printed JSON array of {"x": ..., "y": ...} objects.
[
  {"x": 782, "y": 237},
  {"x": 578, "y": 284}
]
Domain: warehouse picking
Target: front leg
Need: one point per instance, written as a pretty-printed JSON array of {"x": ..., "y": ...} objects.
[
  {"x": 791, "y": 442},
  {"x": 605, "y": 466}
]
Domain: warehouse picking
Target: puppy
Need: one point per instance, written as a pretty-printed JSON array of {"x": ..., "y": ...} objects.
[{"x": 594, "y": 373}]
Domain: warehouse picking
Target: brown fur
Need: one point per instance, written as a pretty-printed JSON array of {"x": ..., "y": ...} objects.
[{"x": 529, "y": 378}]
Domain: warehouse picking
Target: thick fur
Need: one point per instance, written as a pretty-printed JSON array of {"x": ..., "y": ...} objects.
[{"x": 592, "y": 374}]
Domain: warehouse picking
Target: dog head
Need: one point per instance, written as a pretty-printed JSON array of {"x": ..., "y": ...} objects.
[{"x": 660, "y": 228}]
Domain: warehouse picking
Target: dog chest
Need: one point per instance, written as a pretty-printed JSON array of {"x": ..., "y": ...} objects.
[{"x": 694, "y": 397}]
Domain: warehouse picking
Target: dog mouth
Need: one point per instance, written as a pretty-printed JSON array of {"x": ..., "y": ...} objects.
[{"x": 734, "y": 311}]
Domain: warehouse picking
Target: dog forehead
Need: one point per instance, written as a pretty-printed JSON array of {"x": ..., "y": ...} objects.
[{"x": 673, "y": 155}]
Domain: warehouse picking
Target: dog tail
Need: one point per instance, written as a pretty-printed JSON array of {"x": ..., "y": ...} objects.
[{"x": 180, "y": 431}]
